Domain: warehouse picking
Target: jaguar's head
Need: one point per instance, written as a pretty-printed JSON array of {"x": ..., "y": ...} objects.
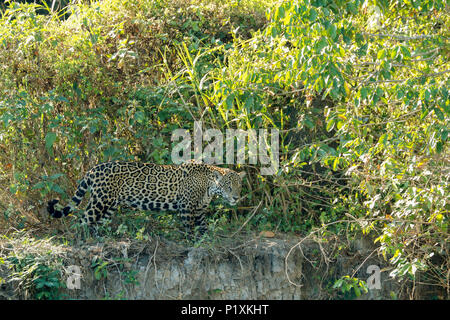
[{"x": 228, "y": 184}]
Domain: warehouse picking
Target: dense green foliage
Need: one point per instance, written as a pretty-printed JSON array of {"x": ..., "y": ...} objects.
[{"x": 358, "y": 89}]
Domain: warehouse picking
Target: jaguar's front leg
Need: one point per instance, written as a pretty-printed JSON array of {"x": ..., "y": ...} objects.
[
  {"x": 188, "y": 221},
  {"x": 200, "y": 223}
]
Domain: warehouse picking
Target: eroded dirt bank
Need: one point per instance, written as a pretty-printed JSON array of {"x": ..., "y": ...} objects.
[{"x": 252, "y": 268}]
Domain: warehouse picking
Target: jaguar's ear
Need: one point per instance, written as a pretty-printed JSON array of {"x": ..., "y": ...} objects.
[
  {"x": 241, "y": 174},
  {"x": 217, "y": 176}
]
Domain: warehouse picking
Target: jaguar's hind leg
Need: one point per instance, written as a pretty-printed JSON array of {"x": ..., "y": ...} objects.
[
  {"x": 108, "y": 213},
  {"x": 96, "y": 211},
  {"x": 194, "y": 223},
  {"x": 97, "y": 215},
  {"x": 92, "y": 213}
]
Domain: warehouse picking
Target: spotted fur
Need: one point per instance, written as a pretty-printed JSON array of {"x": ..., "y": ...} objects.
[{"x": 186, "y": 188}]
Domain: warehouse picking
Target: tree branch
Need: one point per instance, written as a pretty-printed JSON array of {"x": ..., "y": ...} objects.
[{"x": 399, "y": 37}]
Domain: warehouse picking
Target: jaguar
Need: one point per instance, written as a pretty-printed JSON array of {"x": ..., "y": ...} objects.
[{"x": 187, "y": 189}]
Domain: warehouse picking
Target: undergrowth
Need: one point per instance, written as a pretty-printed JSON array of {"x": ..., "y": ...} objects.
[{"x": 362, "y": 115}]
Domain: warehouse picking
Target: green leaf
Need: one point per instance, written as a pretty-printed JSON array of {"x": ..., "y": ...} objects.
[
  {"x": 338, "y": 284},
  {"x": 312, "y": 14},
  {"x": 56, "y": 176},
  {"x": 40, "y": 185},
  {"x": 427, "y": 95},
  {"x": 362, "y": 51},
  {"x": 335, "y": 163},
  {"x": 164, "y": 114},
  {"x": 405, "y": 51},
  {"x": 249, "y": 103},
  {"x": 351, "y": 7},
  {"x": 56, "y": 188},
  {"x": 331, "y": 31},
  {"x": 281, "y": 12},
  {"x": 383, "y": 139},
  {"x": 357, "y": 291},
  {"x": 308, "y": 123},
  {"x": 364, "y": 92},
  {"x": 330, "y": 124},
  {"x": 229, "y": 101},
  {"x": 439, "y": 114},
  {"x": 322, "y": 43},
  {"x": 377, "y": 95},
  {"x": 381, "y": 54},
  {"x": 444, "y": 135},
  {"x": 50, "y": 139}
]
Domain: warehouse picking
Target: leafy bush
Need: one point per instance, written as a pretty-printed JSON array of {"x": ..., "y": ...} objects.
[
  {"x": 350, "y": 287},
  {"x": 367, "y": 83},
  {"x": 357, "y": 89},
  {"x": 34, "y": 266},
  {"x": 82, "y": 90},
  {"x": 385, "y": 67}
]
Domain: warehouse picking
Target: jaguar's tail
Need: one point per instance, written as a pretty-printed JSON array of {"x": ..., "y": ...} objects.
[{"x": 76, "y": 199}]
